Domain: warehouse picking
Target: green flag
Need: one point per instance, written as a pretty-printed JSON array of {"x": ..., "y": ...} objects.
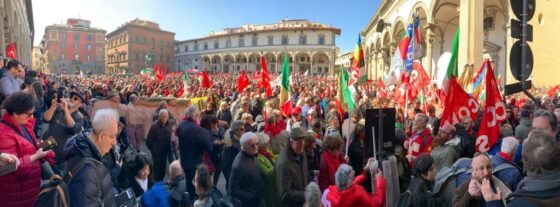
[
  {"x": 453, "y": 67},
  {"x": 347, "y": 92}
]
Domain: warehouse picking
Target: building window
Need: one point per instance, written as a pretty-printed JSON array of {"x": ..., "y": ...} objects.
[
  {"x": 196, "y": 59},
  {"x": 136, "y": 56},
  {"x": 77, "y": 57},
  {"x": 153, "y": 42},
  {"x": 241, "y": 41},
  {"x": 270, "y": 40},
  {"x": 303, "y": 39},
  {"x": 254, "y": 40},
  {"x": 186, "y": 48},
  {"x": 216, "y": 44},
  {"x": 321, "y": 39},
  {"x": 63, "y": 57},
  {"x": 63, "y": 35},
  {"x": 195, "y": 47},
  {"x": 89, "y": 37},
  {"x": 89, "y": 58},
  {"x": 63, "y": 45},
  {"x": 285, "y": 40},
  {"x": 205, "y": 46},
  {"x": 89, "y": 47},
  {"x": 228, "y": 43},
  {"x": 168, "y": 59},
  {"x": 161, "y": 43},
  {"x": 77, "y": 36},
  {"x": 76, "y": 46},
  {"x": 136, "y": 39}
]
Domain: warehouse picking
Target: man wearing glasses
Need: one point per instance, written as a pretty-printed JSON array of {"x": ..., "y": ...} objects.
[
  {"x": 64, "y": 121},
  {"x": 246, "y": 183}
]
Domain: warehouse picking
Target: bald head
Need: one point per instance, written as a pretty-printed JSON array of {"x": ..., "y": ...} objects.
[{"x": 175, "y": 169}]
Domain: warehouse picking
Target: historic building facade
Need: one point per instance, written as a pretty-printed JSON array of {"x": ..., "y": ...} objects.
[
  {"x": 309, "y": 46},
  {"x": 485, "y": 33},
  {"x": 37, "y": 59},
  {"x": 139, "y": 44},
  {"x": 74, "y": 47},
  {"x": 17, "y": 26},
  {"x": 343, "y": 60}
]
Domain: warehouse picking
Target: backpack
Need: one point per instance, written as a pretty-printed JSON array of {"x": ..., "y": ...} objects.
[
  {"x": 55, "y": 192},
  {"x": 405, "y": 199}
]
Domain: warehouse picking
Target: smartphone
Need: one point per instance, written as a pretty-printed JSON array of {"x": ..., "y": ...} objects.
[
  {"x": 48, "y": 144},
  {"x": 59, "y": 95},
  {"x": 8, "y": 168}
]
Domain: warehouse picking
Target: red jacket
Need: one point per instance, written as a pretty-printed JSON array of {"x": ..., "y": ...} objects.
[
  {"x": 356, "y": 195},
  {"x": 21, "y": 187},
  {"x": 327, "y": 168},
  {"x": 418, "y": 143}
]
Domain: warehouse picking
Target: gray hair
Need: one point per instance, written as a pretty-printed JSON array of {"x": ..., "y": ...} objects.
[
  {"x": 312, "y": 195},
  {"x": 509, "y": 145},
  {"x": 245, "y": 138},
  {"x": 263, "y": 139},
  {"x": 541, "y": 145},
  {"x": 103, "y": 120},
  {"x": 191, "y": 112},
  {"x": 344, "y": 177},
  {"x": 424, "y": 117},
  {"x": 246, "y": 115},
  {"x": 162, "y": 111},
  {"x": 237, "y": 124}
]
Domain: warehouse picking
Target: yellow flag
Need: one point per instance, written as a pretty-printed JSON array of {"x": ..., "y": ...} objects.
[{"x": 466, "y": 79}]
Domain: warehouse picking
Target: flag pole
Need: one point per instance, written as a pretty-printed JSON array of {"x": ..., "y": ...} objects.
[{"x": 349, "y": 121}]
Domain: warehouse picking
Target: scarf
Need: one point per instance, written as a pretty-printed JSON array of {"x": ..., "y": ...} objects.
[
  {"x": 267, "y": 154},
  {"x": 505, "y": 156},
  {"x": 272, "y": 130}
]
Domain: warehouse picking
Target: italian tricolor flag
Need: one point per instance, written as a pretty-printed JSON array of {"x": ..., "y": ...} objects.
[{"x": 285, "y": 97}]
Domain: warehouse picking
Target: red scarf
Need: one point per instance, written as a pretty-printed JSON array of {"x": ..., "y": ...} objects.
[
  {"x": 505, "y": 156},
  {"x": 267, "y": 154},
  {"x": 332, "y": 164},
  {"x": 272, "y": 130}
]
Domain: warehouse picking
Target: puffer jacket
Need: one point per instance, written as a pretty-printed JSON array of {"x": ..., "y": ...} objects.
[
  {"x": 85, "y": 183},
  {"x": 21, "y": 187},
  {"x": 533, "y": 191}
]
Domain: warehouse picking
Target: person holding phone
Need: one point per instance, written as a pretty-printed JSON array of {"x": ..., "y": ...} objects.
[
  {"x": 22, "y": 186},
  {"x": 64, "y": 120}
]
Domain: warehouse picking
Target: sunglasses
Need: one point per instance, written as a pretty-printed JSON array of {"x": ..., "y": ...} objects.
[{"x": 75, "y": 98}]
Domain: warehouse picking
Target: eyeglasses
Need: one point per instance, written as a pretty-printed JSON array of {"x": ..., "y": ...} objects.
[
  {"x": 75, "y": 98},
  {"x": 253, "y": 145}
]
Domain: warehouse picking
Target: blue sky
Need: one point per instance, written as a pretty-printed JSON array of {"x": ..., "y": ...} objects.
[{"x": 196, "y": 18}]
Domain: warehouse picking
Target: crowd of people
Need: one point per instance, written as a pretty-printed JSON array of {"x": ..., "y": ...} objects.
[{"x": 312, "y": 156}]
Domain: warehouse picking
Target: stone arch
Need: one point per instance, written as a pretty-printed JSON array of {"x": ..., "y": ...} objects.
[
  {"x": 229, "y": 61},
  {"x": 321, "y": 62},
  {"x": 253, "y": 61},
  {"x": 302, "y": 61},
  {"x": 421, "y": 6},
  {"x": 216, "y": 63}
]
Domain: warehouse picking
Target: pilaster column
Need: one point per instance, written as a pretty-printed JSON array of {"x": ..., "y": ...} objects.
[
  {"x": 471, "y": 38},
  {"x": 429, "y": 45}
]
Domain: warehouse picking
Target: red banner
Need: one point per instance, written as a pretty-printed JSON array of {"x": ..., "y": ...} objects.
[
  {"x": 242, "y": 82},
  {"x": 458, "y": 105},
  {"x": 494, "y": 114}
]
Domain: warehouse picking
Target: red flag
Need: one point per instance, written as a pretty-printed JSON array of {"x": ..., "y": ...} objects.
[
  {"x": 11, "y": 51},
  {"x": 458, "y": 104},
  {"x": 339, "y": 109},
  {"x": 381, "y": 88},
  {"x": 242, "y": 82},
  {"x": 265, "y": 79},
  {"x": 553, "y": 90},
  {"x": 403, "y": 46},
  {"x": 494, "y": 114},
  {"x": 159, "y": 76},
  {"x": 205, "y": 80}
]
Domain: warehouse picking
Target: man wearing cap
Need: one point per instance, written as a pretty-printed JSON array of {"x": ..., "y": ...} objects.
[
  {"x": 522, "y": 130},
  {"x": 291, "y": 170},
  {"x": 297, "y": 120},
  {"x": 64, "y": 120}
]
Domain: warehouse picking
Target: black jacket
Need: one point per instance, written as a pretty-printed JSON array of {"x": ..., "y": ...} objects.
[
  {"x": 193, "y": 141},
  {"x": 245, "y": 182},
  {"x": 532, "y": 191},
  {"x": 159, "y": 139},
  {"x": 84, "y": 186}
]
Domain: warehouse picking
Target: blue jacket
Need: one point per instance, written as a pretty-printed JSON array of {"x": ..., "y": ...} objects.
[
  {"x": 510, "y": 176},
  {"x": 156, "y": 196},
  {"x": 85, "y": 183},
  {"x": 543, "y": 190}
]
